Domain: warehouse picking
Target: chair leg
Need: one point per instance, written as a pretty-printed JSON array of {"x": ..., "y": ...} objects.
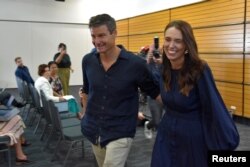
[
  {"x": 49, "y": 138},
  {"x": 67, "y": 155},
  {"x": 33, "y": 117},
  {"x": 9, "y": 157},
  {"x": 56, "y": 148},
  {"x": 43, "y": 131},
  {"x": 83, "y": 153},
  {"x": 27, "y": 112},
  {"x": 38, "y": 123}
]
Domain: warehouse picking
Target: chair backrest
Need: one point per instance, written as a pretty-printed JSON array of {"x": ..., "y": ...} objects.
[
  {"x": 35, "y": 96},
  {"x": 46, "y": 109},
  {"x": 56, "y": 120},
  {"x": 23, "y": 89},
  {"x": 20, "y": 86},
  {"x": 27, "y": 93}
]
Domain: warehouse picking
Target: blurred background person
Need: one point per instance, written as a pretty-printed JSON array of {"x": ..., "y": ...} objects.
[
  {"x": 155, "y": 107},
  {"x": 64, "y": 66},
  {"x": 42, "y": 83},
  {"x": 54, "y": 79},
  {"x": 22, "y": 71}
]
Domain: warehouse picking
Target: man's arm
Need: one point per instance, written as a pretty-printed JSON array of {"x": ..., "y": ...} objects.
[
  {"x": 84, "y": 98},
  {"x": 158, "y": 98}
]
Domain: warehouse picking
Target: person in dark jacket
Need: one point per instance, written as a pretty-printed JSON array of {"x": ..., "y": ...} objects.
[
  {"x": 22, "y": 71},
  {"x": 111, "y": 77}
]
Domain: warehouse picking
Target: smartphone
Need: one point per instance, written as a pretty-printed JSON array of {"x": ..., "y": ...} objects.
[
  {"x": 156, "y": 42},
  {"x": 156, "y": 52}
]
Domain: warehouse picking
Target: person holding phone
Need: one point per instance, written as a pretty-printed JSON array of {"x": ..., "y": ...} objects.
[
  {"x": 154, "y": 60},
  {"x": 64, "y": 66}
]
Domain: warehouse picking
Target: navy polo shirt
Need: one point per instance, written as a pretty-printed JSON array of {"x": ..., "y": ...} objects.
[{"x": 112, "y": 105}]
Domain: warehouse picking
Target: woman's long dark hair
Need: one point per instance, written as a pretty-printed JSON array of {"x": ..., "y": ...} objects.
[{"x": 193, "y": 65}]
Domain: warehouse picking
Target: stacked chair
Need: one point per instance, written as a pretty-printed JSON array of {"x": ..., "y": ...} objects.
[
  {"x": 25, "y": 94},
  {"x": 65, "y": 129}
]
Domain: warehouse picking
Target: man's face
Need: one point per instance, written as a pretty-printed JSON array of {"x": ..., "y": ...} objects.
[
  {"x": 102, "y": 39},
  {"x": 19, "y": 62}
]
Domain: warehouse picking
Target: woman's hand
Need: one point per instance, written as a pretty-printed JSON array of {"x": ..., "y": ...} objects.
[{"x": 62, "y": 99}]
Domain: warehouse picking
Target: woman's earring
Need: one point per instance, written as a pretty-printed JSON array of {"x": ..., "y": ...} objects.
[{"x": 186, "y": 52}]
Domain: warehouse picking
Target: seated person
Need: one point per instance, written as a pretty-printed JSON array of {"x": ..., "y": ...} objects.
[
  {"x": 8, "y": 100},
  {"x": 14, "y": 130},
  {"x": 42, "y": 83},
  {"x": 54, "y": 79}
]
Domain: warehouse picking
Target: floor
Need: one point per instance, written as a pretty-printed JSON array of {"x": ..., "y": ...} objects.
[{"x": 139, "y": 156}]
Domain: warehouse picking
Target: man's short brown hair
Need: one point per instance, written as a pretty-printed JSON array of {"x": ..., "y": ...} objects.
[{"x": 17, "y": 58}]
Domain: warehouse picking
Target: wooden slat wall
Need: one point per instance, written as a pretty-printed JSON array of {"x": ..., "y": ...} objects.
[
  {"x": 154, "y": 22},
  {"x": 247, "y": 101},
  {"x": 247, "y": 50},
  {"x": 123, "y": 40},
  {"x": 248, "y": 11},
  {"x": 247, "y": 70},
  {"x": 122, "y": 26},
  {"x": 220, "y": 39},
  {"x": 219, "y": 30},
  {"x": 213, "y": 12},
  {"x": 137, "y": 41},
  {"x": 226, "y": 67},
  {"x": 232, "y": 95},
  {"x": 122, "y": 34}
]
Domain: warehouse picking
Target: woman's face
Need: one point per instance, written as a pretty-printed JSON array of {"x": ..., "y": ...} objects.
[
  {"x": 46, "y": 73},
  {"x": 53, "y": 69},
  {"x": 174, "y": 46}
]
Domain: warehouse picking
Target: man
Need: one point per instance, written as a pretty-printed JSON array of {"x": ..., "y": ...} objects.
[
  {"x": 111, "y": 77},
  {"x": 64, "y": 66},
  {"x": 22, "y": 71}
]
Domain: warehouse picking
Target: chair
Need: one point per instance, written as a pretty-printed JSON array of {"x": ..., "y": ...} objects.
[
  {"x": 20, "y": 87},
  {"x": 47, "y": 116},
  {"x": 71, "y": 134},
  {"x": 25, "y": 94},
  {"x": 4, "y": 142},
  {"x": 37, "y": 106},
  {"x": 66, "y": 119}
]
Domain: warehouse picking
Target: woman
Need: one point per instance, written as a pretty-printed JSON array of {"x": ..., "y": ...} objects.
[
  {"x": 42, "y": 83},
  {"x": 196, "y": 119},
  {"x": 14, "y": 128},
  {"x": 54, "y": 79},
  {"x": 64, "y": 63}
]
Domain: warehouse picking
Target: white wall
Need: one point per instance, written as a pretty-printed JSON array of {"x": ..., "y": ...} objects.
[
  {"x": 79, "y": 11},
  {"x": 32, "y": 29},
  {"x": 37, "y": 42}
]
